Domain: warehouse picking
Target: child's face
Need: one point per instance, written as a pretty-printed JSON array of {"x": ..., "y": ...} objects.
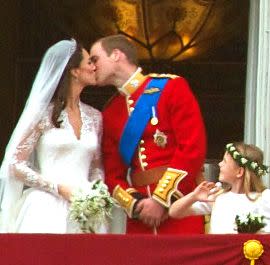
[{"x": 228, "y": 169}]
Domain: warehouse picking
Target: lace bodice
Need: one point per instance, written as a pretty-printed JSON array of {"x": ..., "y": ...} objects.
[{"x": 48, "y": 156}]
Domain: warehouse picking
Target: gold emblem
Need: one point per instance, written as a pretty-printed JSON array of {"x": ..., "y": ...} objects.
[
  {"x": 134, "y": 83},
  {"x": 151, "y": 90},
  {"x": 160, "y": 138}
]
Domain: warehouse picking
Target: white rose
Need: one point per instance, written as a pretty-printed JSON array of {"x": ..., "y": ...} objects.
[
  {"x": 244, "y": 160},
  {"x": 254, "y": 165},
  {"x": 243, "y": 218}
]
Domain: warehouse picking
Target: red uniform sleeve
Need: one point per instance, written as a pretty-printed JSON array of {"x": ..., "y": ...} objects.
[{"x": 188, "y": 127}]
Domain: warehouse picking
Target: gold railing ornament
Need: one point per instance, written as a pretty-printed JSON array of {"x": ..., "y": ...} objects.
[{"x": 252, "y": 249}]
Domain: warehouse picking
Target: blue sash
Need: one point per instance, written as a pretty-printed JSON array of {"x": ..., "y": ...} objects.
[{"x": 139, "y": 118}]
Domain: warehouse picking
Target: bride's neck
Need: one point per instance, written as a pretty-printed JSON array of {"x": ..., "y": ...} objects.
[
  {"x": 73, "y": 103},
  {"x": 73, "y": 99}
]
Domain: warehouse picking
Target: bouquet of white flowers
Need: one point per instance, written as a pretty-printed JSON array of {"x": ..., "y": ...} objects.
[
  {"x": 249, "y": 223},
  {"x": 91, "y": 207}
]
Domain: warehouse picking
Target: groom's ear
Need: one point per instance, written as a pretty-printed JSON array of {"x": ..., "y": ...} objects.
[{"x": 115, "y": 55}]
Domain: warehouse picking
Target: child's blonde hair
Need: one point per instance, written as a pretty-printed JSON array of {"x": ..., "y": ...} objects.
[{"x": 252, "y": 181}]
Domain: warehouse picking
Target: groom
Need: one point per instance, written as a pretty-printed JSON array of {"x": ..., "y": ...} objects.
[{"x": 153, "y": 140}]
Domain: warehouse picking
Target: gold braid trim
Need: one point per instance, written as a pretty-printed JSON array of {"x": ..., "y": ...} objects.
[
  {"x": 154, "y": 75},
  {"x": 167, "y": 186},
  {"x": 125, "y": 200},
  {"x": 131, "y": 190}
]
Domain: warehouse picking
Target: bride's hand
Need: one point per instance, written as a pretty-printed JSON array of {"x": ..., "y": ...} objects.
[{"x": 65, "y": 191}]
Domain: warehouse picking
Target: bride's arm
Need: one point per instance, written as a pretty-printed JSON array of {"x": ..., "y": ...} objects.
[
  {"x": 96, "y": 167},
  {"x": 21, "y": 166}
]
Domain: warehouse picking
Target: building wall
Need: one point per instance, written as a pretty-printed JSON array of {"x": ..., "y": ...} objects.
[
  {"x": 218, "y": 79},
  {"x": 8, "y": 47}
]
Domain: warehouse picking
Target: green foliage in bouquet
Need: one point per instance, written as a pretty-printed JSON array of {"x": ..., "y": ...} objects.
[
  {"x": 249, "y": 223},
  {"x": 93, "y": 208}
]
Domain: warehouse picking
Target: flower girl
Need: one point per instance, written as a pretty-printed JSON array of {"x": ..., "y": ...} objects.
[{"x": 243, "y": 206}]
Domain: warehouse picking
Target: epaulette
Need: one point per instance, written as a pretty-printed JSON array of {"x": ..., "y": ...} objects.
[{"x": 154, "y": 75}]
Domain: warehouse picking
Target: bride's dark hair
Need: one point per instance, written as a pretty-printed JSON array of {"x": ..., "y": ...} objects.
[{"x": 60, "y": 96}]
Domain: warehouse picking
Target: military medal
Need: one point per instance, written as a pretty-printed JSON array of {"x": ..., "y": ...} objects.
[
  {"x": 154, "y": 119},
  {"x": 160, "y": 138}
]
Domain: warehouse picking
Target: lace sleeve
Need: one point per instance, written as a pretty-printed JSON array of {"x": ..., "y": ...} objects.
[
  {"x": 22, "y": 166},
  {"x": 96, "y": 168}
]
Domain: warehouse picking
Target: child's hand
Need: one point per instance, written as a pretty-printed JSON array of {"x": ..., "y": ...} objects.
[
  {"x": 215, "y": 192},
  {"x": 204, "y": 190}
]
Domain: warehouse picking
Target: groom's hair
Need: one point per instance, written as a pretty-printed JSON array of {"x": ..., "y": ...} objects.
[{"x": 121, "y": 43}]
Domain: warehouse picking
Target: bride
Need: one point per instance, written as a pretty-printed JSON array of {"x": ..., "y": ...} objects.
[{"x": 55, "y": 147}]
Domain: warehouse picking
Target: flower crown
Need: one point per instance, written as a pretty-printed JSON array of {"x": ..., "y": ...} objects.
[{"x": 258, "y": 169}]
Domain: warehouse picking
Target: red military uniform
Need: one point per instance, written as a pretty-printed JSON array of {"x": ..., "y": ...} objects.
[{"x": 177, "y": 141}]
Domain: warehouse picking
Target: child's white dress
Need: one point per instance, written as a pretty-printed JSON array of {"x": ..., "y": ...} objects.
[{"x": 227, "y": 205}]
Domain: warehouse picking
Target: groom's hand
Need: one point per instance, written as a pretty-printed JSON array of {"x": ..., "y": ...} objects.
[{"x": 151, "y": 212}]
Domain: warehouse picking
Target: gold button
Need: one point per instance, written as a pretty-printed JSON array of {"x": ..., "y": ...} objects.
[
  {"x": 142, "y": 149},
  {"x": 142, "y": 141},
  {"x": 168, "y": 177},
  {"x": 143, "y": 156},
  {"x": 164, "y": 185},
  {"x": 131, "y": 109},
  {"x": 161, "y": 190},
  {"x": 145, "y": 164},
  {"x": 130, "y": 101},
  {"x": 166, "y": 181}
]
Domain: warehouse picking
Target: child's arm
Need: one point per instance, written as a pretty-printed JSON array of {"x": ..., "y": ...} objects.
[{"x": 181, "y": 207}]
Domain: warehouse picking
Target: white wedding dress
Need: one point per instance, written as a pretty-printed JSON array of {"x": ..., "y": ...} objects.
[{"x": 60, "y": 158}]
